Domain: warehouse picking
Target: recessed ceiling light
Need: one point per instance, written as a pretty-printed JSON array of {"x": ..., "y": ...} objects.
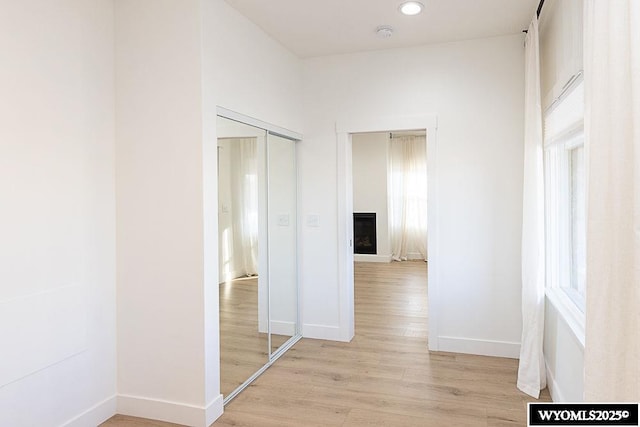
[
  {"x": 411, "y": 8},
  {"x": 384, "y": 31}
]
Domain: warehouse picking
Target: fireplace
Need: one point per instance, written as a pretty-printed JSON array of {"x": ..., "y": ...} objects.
[{"x": 364, "y": 233}]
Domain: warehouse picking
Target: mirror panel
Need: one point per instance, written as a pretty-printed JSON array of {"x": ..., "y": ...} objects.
[
  {"x": 257, "y": 221},
  {"x": 243, "y": 261},
  {"x": 282, "y": 219}
]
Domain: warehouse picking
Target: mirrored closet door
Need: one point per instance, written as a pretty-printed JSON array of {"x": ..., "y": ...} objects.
[
  {"x": 257, "y": 219},
  {"x": 241, "y": 261},
  {"x": 283, "y": 292}
]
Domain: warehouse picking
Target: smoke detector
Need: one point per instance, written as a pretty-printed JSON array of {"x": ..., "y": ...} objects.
[{"x": 384, "y": 31}]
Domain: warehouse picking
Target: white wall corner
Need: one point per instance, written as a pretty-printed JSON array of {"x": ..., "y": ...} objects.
[
  {"x": 95, "y": 415},
  {"x": 479, "y": 347},
  {"x": 172, "y": 412}
]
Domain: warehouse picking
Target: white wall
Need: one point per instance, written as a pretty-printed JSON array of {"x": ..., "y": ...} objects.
[
  {"x": 162, "y": 357},
  {"x": 175, "y": 61},
  {"x": 564, "y": 355},
  {"x": 560, "y": 58},
  {"x": 247, "y": 71},
  {"x": 370, "y": 159},
  {"x": 57, "y": 221},
  {"x": 476, "y": 90}
]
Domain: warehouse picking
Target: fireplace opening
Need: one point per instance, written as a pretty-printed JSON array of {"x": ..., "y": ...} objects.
[{"x": 364, "y": 233}]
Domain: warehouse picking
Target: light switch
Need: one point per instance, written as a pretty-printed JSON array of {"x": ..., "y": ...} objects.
[
  {"x": 283, "y": 220},
  {"x": 313, "y": 220}
]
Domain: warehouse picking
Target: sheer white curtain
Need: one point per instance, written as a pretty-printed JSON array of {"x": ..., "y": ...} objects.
[
  {"x": 407, "y": 196},
  {"x": 531, "y": 371},
  {"x": 612, "y": 139},
  {"x": 245, "y": 203}
]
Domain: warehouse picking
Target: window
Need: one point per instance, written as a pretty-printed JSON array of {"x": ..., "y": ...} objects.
[
  {"x": 565, "y": 204},
  {"x": 578, "y": 223},
  {"x": 407, "y": 187}
]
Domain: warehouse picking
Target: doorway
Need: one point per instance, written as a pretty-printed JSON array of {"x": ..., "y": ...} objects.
[
  {"x": 345, "y": 133},
  {"x": 389, "y": 174},
  {"x": 389, "y": 171}
]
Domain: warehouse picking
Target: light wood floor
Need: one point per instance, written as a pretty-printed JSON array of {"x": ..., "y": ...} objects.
[
  {"x": 385, "y": 376},
  {"x": 243, "y": 350}
]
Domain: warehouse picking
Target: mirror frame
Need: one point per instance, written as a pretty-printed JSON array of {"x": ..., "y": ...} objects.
[{"x": 273, "y": 356}]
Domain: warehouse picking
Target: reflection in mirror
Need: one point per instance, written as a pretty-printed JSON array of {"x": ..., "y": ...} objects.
[
  {"x": 283, "y": 298},
  {"x": 242, "y": 254},
  {"x": 257, "y": 218}
]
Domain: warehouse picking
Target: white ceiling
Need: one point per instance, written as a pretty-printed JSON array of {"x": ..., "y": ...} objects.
[{"x": 325, "y": 27}]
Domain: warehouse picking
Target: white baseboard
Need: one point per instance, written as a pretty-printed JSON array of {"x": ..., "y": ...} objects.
[
  {"x": 322, "y": 332},
  {"x": 371, "y": 258},
  {"x": 281, "y": 327},
  {"x": 95, "y": 415},
  {"x": 172, "y": 412},
  {"x": 415, "y": 256},
  {"x": 554, "y": 388},
  {"x": 213, "y": 410},
  {"x": 480, "y": 347}
]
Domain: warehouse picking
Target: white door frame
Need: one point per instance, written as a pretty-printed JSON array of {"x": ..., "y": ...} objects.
[{"x": 344, "y": 129}]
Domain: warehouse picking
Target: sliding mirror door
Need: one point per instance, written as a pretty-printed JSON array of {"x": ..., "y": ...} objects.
[
  {"x": 282, "y": 189},
  {"x": 257, "y": 231},
  {"x": 243, "y": 267}
]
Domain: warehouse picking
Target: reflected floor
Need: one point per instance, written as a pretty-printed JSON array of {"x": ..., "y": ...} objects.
[{"x": 243, "y": 350}]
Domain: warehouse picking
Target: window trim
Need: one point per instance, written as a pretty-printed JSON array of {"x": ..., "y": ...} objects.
[
  {"x": 558, "y": 216},
  {"x": 558, "y": 229},
  {"x": 568, "y": 310}
]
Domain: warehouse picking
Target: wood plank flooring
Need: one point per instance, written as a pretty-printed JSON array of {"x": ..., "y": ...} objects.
[
  {"x": 241, "y": 353},
  {"x": 243, "y": 350},
  {"x": 385, "y": 376}
]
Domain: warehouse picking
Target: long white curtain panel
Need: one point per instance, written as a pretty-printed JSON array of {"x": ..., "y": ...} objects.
[
  {"x": 612, "y": 140},
  {"x": 531, "y": 371},
  {"x": 408, "y": 196},
  {"x": 245, "y": 199}
]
